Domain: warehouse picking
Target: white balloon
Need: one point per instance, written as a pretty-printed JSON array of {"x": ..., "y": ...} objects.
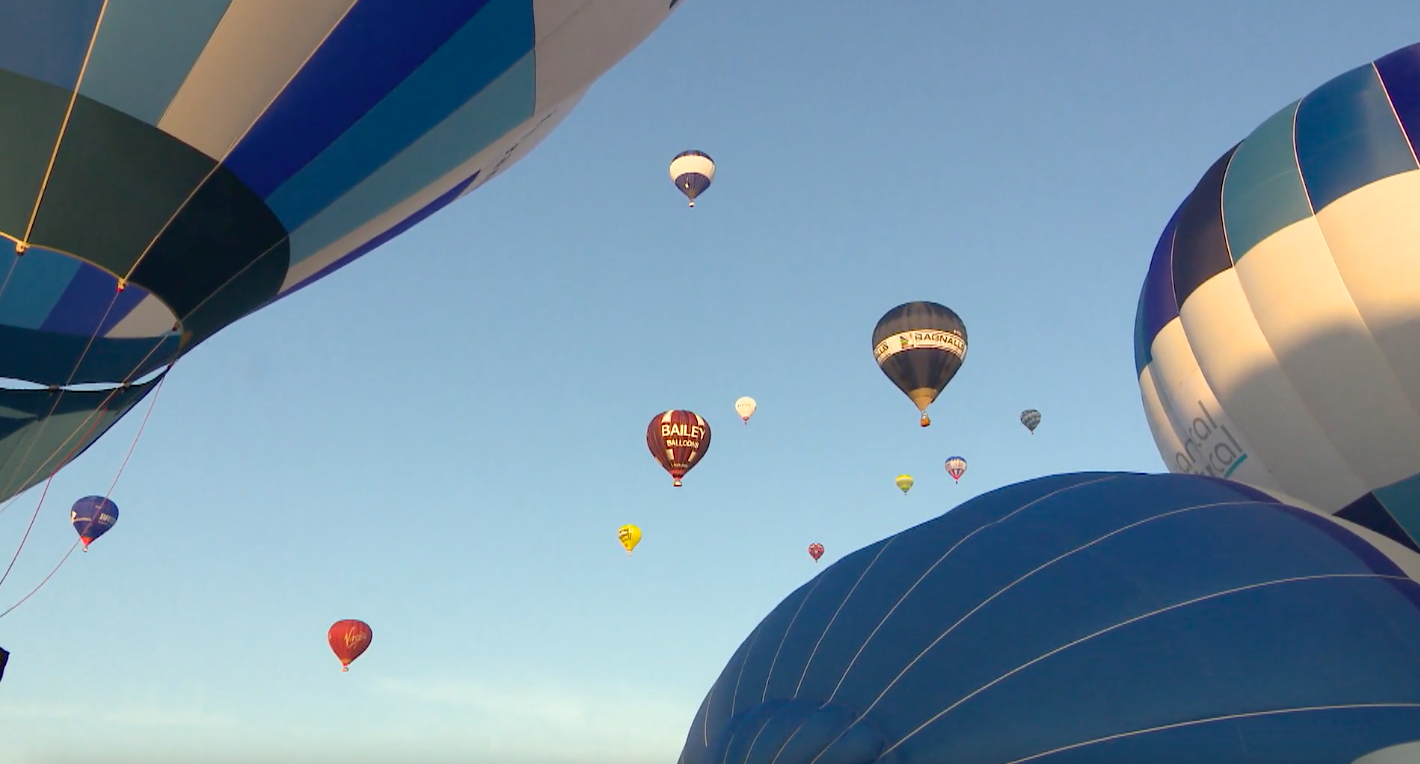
[{"x": 745, "y": 408}]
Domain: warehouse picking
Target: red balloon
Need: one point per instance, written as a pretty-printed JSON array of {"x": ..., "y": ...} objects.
[
  {"x": 349, "y": 639},
  {"x": 815, "y": 551},
  {"x": 678, "y": 440}
]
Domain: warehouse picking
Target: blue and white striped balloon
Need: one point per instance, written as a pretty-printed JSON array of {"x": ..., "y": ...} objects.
[
  {"x": 692, "y": 172},
  {"x": 1277, "y": 339}
]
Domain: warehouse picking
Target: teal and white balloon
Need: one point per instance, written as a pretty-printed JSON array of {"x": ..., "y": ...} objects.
[{"x": 1277, "y": 339}]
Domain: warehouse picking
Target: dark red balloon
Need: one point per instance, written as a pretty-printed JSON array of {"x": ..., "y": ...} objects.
[
  {"x": 815, "y": 551},
  {"x": 678, "y": 440},
  {"x": 349, "y": 639}
]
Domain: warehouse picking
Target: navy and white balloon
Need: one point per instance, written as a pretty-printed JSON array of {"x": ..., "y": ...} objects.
[{"x": 692, "y": 172}]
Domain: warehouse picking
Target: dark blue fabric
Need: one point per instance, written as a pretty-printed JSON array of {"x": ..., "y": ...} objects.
[
  {"x": 1080, "y": 615},
  {"x": 351, "y": 72},
  {"x": 1157, "y": 304}
]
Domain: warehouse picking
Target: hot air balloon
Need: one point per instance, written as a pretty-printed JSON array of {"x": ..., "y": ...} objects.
[
  {"x": 692, "y": 172},
  {"x": 969, "y": 638},
  {"x": 920, "y": 346},
  {"x": 91, "y": 517},
  {"x": 1031, "y": 419},
  {"x": 956, "y": 467},
  {"x": 815, "y": 551},
  {"x": 182, "y": 165},
  {"x": 629, "y": 536},
  {"x": 904, "y": 482},
  {"x": 745, "y": 408},
  {"x": 349, "y": 639},
  {"x": 1277, "y": 337},
  {"x": 678, "y": 440}
]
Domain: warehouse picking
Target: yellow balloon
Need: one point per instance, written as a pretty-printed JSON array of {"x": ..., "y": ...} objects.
[
  {"x": 629, "y": 536},
  {"x": 905, "y": 483}
]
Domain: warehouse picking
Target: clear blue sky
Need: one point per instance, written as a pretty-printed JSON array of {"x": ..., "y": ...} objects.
[{"x": 443, "y": 438}]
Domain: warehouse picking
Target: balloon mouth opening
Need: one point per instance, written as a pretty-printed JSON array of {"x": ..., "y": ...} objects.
[{"x": 86, "y": 542}]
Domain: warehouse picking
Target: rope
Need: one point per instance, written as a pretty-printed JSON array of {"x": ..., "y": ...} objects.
[
  {"x": 131, "y": 447},
  {"x": 44, "y": 581}
]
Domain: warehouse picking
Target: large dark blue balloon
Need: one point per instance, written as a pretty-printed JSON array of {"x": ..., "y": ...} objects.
[
  {"x": 92, "y": 516},
  {"x": 1088, "y": 618}
]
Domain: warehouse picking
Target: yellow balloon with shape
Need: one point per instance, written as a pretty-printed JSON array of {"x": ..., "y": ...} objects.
[{"x": 629, "y": 536}]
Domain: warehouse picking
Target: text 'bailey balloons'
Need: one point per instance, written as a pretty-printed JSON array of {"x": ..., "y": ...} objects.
[
  {"x": 260, "y": 165},
  {"x": 1031, "y": 419},
  {"x": 956, "y": 467},
  {"x": 904, "y": 483},
  {"x": 629, "y": 536},
  {"x": 920, "y": 346},
  {"x": 745, "y": 407},
  {"x": 971, "y": 638},
  {"x": 815, "y": 551},
  {"x": 349, "y": 639},
  {"x": 692, "y": 172},
  {"x": 1277, "y": 336},
  {"x": 92, "y": 517},
  {"x": 678, "y": 440}
]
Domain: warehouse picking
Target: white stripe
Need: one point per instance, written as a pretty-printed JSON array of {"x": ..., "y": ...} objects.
[
  {"x": 838, "y": 610},
  {"x": 692, "y": 163},
  {"x": 149, "y": 318},
  {"x": 1337, "y": 382},
  {"x": 252, "y": 55},
  {"x": 770, "y": 676},
  {"x": 588, "y": 43},
  {"x": 1373, "y": 236}
]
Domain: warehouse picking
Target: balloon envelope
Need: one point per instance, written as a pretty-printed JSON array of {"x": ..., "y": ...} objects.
[
  {"x": 216, "y": 157},
  {"x": 956, "y": 467},
  {"x": 349, "y": 639},
  {"x": 629, "y": 536},
  {"x": 92, "y": 516},
  {"x": 920, "y": 346},
  {"x": 745, "y": 407},
  {"x": 969, "y": 638},
  {"x": 1031, "y": 419},
  {"x": 1277, "y": 337},
  {"x": 904, "y": 482},
  {"x": 692, "y": 172},
  {"x": 678, "y": 440}
]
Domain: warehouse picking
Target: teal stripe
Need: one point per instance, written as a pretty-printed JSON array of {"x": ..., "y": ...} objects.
[
  {"x": 502, "y": 106},
  {"x": 1263, "y": 191},
  {"x": 487, "y": 46},
  {"x": 1402, "y": 501},
  {"x": 145, "y": 50},
  {"x": 1236, "y": 463},
  {"x": 39, "y": 280}
]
